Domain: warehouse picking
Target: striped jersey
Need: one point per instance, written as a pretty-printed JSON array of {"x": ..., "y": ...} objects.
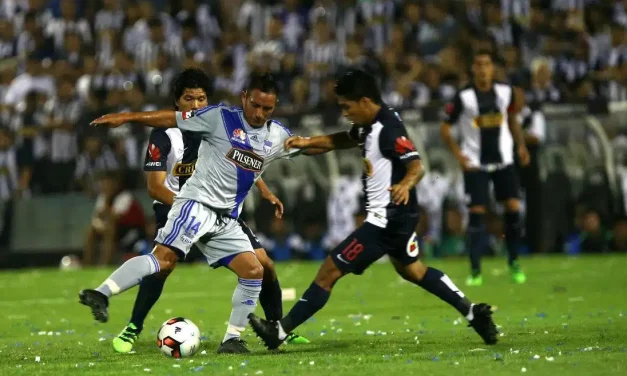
[
  {"x": 231, "y": 156},
  {"x": 172, "y": 151},
  {"x": 386, "y": 148},
  {"x": 482, "y": 117}
]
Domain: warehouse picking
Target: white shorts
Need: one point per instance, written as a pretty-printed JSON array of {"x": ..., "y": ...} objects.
[{"x": 219, "y": 238}]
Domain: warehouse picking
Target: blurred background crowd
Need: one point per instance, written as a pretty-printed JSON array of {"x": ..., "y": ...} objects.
[{"x": 66, "y": 62}]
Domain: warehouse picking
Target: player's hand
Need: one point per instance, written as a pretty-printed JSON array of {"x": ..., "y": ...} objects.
[
  {"x": 296, "y": 142},
  {"x": 278, "y": 205},
  {"x": 464, "y": 161},
  {"x": 400, "y": 194},
  {"x": 110, "y": 120},
  {"x": 523, "y": 155}
]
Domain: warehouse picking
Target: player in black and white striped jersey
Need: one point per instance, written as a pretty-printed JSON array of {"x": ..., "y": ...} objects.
[
  {"x": 392, "y": 168},
  {"x": 485, "y": 113},
  {"x": 170, "y": 161}
]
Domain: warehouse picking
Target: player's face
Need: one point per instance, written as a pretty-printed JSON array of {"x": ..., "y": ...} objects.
[
  {"x": 353, "y": 111},
  {"x": 258, "y": 107},
  {"x": 192, "y": 99},
  {"x": 483, "y": 68}
]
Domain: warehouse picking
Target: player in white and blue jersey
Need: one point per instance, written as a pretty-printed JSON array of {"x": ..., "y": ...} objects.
[
  {"x": 236, "y": 146},
  {"x": 170, "y": 161}
]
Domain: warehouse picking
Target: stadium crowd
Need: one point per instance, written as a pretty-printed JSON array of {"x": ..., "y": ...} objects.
[{"x": 65, "y": 62}]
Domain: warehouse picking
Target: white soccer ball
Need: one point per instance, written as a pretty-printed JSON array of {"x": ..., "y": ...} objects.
[{"x": 178, "y": 338}]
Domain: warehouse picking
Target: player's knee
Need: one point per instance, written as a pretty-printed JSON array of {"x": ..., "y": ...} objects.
[
  {"x": 269, "y": 270},
  {"x": 477, "y": 209},
  {"x": 255, "y": 271},
  {"x": 167, "y": 258},
  {"x": 512, "y": 205}
]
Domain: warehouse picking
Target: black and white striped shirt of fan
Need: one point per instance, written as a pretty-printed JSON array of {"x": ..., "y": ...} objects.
[{"x": 482, "y": 118}]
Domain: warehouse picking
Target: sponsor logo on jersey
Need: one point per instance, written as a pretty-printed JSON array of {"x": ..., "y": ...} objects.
[
  {"x": 239, "y": 136},
  {"x": 492, "y": 120},
  {"x": 368, "y": 169},
  {"x": 267, "y": 146},
  {"x": 154, "y": 152},
  {"x": 184, "y": 169},
  {"x": 188, "y": 114},
  {"x": 403, "y": 145},
  {"x": 246, "y": 159}
]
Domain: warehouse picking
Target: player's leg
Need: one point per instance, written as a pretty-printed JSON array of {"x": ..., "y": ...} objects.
[
  {"x": 353, "y": 255},
  {"x": 476, "y": 186},
  {"x": 150, "y": 290},
  {"x": 231, "y": 248},
  {"x": 172, "y": 243},
  {"x": 507, "y": 191},
  {"x": 271, "y": 297},
  {"x": 439, "y": 284}
]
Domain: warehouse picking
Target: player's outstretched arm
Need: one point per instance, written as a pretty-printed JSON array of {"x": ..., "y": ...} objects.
[
  {"x": 340, "y": 140},
  {"x": 155, "y": 119}
]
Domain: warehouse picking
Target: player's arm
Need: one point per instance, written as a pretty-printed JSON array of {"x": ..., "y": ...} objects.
[
  {"x": 200, "y": 121},
  {"x": 155, "y": 167},
  {"x": 395, "y": 144},
  {"x": 516, "y": 105},
  {"x": 267, "y": 194},
  {"x": 340, "y": 140},
  {"x": 452, "y": 113}
]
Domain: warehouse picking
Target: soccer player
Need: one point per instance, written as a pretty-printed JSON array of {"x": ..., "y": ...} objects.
[
  {"x": 486, "y": 115},
  {"x": 235, "y": 148},
  {"x": 170, "y": 160},
  {"x": 392, "y": 168}
]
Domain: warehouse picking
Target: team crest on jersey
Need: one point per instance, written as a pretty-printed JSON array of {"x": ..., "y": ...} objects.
[
  {"x": 239, "y": 135},
  {"x": 246, "y": 159},
  {"x": 412, "y": 246},
  {"x": 267, "y": 146},
  {"x": 188, "y": 114},
  {"x": 368, "y": 169}
]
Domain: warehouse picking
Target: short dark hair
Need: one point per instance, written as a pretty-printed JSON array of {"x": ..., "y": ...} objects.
[
  {"x": 264, "y": 82},
  {"x": 191, "y": 78},
  {"x": 356, "y": 84},
  {"x": 483, "y": 51}
]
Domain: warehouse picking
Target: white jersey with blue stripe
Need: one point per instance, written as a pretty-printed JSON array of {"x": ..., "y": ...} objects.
[{"x": 232, "y": 155}]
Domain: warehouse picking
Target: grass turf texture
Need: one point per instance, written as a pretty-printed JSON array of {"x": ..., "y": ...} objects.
[{"x": 571, "y": 317}]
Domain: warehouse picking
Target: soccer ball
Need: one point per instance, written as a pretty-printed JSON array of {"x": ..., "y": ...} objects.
[{"x": 178, "y": 338}]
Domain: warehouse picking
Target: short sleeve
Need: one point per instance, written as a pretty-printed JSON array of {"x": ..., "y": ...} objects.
[
  {"x": 157, "y": 152},
  {"x": 202, "y": 121},
  {"x": 453, "y": 110},
  {"x": 396, "y": 144},
  {"x": 284, "y": 135}
]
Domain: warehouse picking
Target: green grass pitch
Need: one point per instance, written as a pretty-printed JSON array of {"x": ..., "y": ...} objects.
[{"x": 569, "y": 319}]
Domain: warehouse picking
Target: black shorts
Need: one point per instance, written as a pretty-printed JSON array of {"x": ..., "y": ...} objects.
[
  {"x": 477, "y": 185},
  {"x": 251, "y": 236},
  {"x": 369, "y": 243}
]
